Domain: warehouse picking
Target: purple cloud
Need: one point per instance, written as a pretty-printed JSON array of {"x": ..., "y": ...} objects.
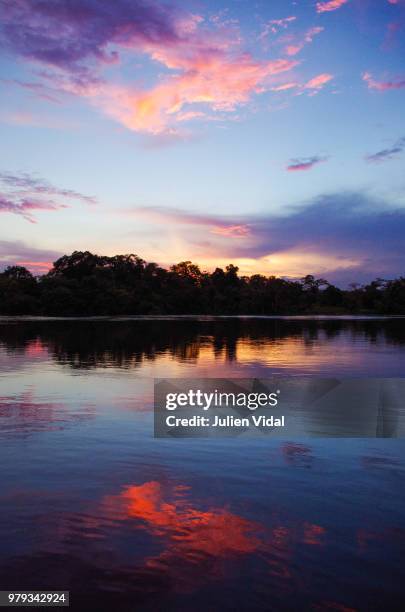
[
  {"x": 36, "y": 185},
  {"x": 21, "y": 194},
  {"x": 372, "y": 83},
  {"x": 353, "y": 225},
  {"x": 67, "y": 34},
  {"x": 225, "y": 226},
  {"x": 219, "y": 226},
  {"x": 37, "y": 89},
  {"x": 23, "y": 206},
  {"x": 69, "y": 43},
  {"x": 347, "y": 225},
  {"x": 386, "y": 154},
  {"x": 304, "y": 163},
  {"x": 14, "y": 253}
]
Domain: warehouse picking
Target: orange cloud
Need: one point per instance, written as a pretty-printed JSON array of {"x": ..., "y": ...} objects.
[
  {"x": 331, "y": 5},
  {"x": 290, "y": 263}
]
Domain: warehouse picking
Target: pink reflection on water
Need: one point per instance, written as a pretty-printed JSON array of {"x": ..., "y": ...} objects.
[
  {"x": 217, "y": 532},
  {"x": 297, "y": 454},
  {"x": 314, "y": 534},
  {"x": 36, "y": 349},
  {"x": 205, "y": 538},
  {"x": 24, "y": 414}
]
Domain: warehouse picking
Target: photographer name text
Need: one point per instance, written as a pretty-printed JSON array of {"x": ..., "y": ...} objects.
[{"x": 227, "y": 421}]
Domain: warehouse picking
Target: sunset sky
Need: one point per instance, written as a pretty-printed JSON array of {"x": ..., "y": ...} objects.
[{"x": 267, "y": 134}]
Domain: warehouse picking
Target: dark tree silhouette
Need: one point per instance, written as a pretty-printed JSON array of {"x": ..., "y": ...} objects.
[{"x": 85, "y": 284}]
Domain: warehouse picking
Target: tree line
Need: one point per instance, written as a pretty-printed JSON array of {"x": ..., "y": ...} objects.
[{"x": 85, "y": 284}]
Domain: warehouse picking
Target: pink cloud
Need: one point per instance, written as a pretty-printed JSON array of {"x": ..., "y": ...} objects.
[
  {"x": 330, "y": 5},
  {"x": 393, "y": 34},
  {"x": 234, "y": 231},
  {"x": 274, "y": 25},
  {"x": 189, "y": 115},
  {"x": 285, "y": 86},
  {"x": 206, "y": 64},
  {"x": 313, "y": 86},
  {"x": 209, "y": 74},
  {"x": 293, "y": 49},
  {"x": 221, "y": 84},
  {"x": 398, "y": 83},
  {"x": 319, "y": 81},
  {"x": 308, "y": 37}
]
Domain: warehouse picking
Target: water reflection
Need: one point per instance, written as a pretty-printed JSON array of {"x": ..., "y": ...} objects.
[
  {"x": 297, "y": 454},
  {"x": 24, "y": 414},
  {"x": 302, "y": 345},
  {"x": 193, "y": 534},
  {"x": 90, "y": 502},
  {"x": 158, "y": 544}
]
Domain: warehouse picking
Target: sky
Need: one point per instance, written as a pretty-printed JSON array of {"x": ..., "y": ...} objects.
[{"x": 268, "y": 134}]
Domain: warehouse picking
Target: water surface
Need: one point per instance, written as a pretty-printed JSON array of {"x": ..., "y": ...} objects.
[{"x": 91, "y": 503}]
